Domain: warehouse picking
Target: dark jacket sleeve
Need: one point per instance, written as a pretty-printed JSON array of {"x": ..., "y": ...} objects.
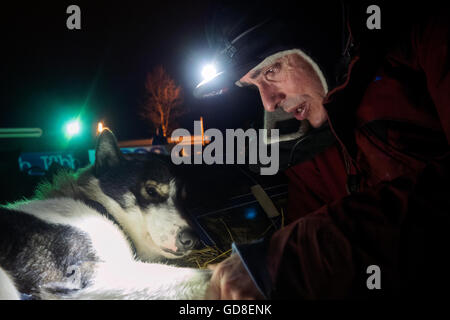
[{"x": 400, "y": 226}]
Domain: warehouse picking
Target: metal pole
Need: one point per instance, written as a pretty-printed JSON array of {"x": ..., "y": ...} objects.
[{"x": 203, "y": 133}]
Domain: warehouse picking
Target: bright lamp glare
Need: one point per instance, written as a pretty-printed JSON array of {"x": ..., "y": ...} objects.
[
  {"x": 73, "y": 128},
  {"x": 208, "y": 72},
  {"x": 100, "y": 127}
]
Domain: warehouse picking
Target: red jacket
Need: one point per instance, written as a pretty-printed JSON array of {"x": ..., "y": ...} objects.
[{"x": 381, "y": 195}]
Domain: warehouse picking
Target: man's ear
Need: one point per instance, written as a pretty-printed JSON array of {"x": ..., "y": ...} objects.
[{"x": 107, "y": 153}]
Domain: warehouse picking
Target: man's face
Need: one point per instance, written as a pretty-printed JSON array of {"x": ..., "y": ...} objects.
[{"x": 292, "y": 84}]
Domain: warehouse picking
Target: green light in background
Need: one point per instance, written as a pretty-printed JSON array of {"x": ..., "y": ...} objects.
[{"x": 72, "y": 128}]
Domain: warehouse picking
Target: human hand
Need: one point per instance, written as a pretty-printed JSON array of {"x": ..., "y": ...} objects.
[{"x": 231, "y": 281}]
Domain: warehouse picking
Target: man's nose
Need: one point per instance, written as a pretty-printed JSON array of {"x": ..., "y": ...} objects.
[{"x": 271, "y": 98}]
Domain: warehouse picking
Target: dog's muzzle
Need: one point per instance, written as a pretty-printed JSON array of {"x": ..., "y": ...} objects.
[{"x": 186, "y": 240}]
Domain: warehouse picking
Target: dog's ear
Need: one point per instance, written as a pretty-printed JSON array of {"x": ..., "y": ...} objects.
[{"x": 107, "y": 153}]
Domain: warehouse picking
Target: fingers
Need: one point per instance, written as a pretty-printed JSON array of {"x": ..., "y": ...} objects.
[
  {"x": 213, "y": 291},
  {"x": 230, "y": 281}
]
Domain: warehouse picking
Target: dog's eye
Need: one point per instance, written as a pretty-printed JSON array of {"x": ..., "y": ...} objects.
[{"x": 151, "y": 191}]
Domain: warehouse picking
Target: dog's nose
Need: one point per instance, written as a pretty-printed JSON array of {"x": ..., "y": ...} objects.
[{"x": 186, "y": 239}]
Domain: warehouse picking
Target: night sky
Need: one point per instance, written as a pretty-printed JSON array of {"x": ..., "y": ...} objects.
[{"x": 50, "y": 73}]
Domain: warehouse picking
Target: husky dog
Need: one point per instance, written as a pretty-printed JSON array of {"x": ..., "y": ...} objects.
[{"x": 101, "y": 234}]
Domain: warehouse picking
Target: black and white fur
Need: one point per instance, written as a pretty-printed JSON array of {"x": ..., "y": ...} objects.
[{"x": 101, "y": 234}]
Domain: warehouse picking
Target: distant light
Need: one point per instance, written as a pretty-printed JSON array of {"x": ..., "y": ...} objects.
[
  {"x": 100, "y": 127},
  {"x": 209, "y": 72},
  {"x": 250, "y": 213},
  {"x": 73, "y": 128}
]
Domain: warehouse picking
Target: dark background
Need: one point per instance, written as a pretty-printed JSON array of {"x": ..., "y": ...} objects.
[{"x": 50, "y": 73}]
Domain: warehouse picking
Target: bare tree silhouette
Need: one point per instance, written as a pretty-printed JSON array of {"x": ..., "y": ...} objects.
[{"x": 164, "y": 99}]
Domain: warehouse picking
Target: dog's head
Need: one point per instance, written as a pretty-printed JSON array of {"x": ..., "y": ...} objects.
[{"x": 141, "y": 193}]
